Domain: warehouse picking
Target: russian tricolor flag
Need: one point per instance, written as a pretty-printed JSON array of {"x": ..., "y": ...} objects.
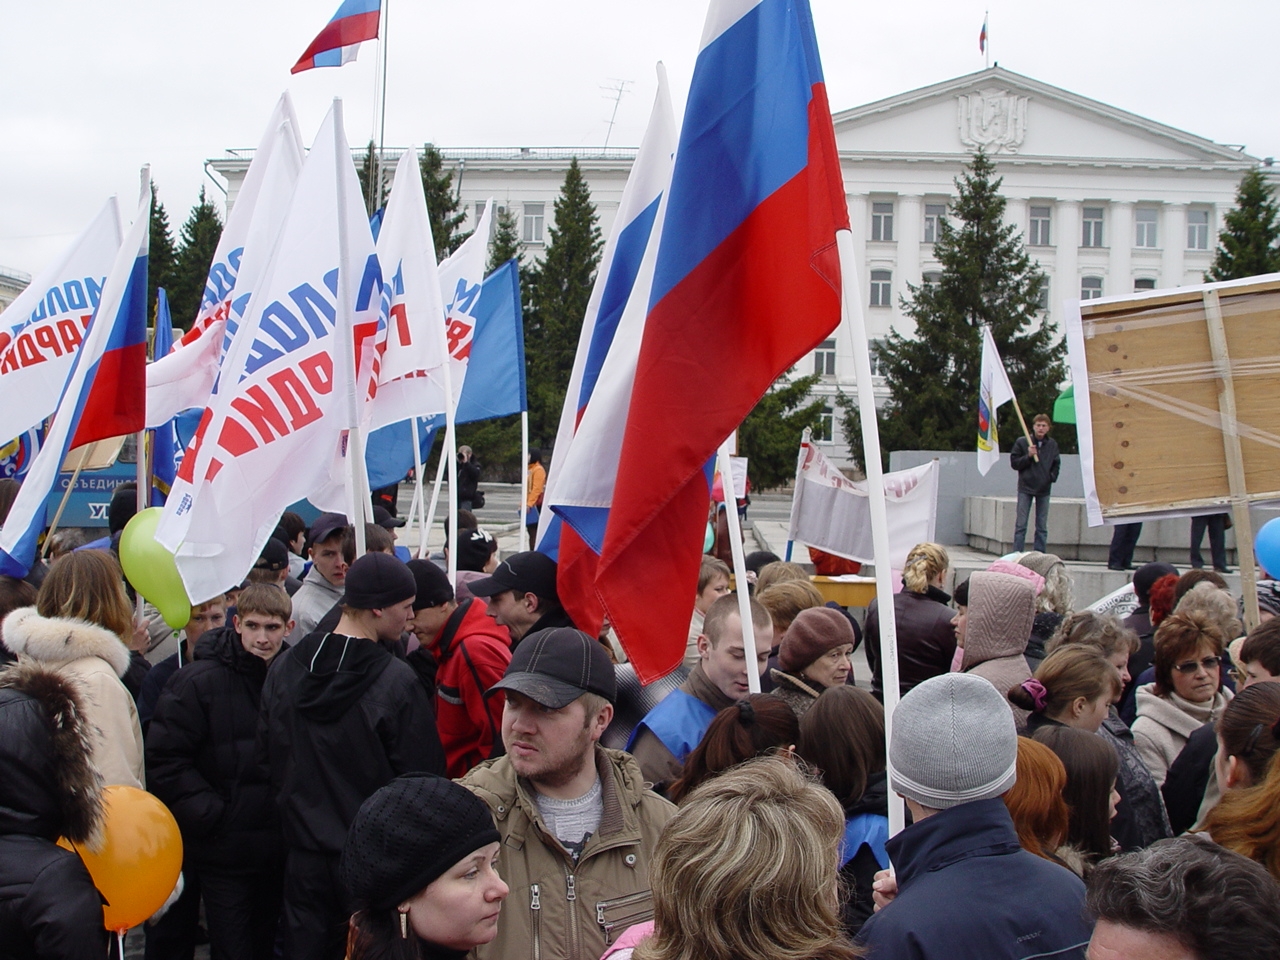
[
  {"x": 589, "y": 442},
  {"x": 339, "y": 41},
  {"x": 747, "y": 280},
  {"x": 105, "y": 395}
]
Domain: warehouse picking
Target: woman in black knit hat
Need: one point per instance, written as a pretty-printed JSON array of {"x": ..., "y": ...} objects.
[{"x": 420, "y": 864}]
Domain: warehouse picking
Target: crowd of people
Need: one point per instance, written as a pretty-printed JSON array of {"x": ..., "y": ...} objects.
[{"x": 366, "y": 760}]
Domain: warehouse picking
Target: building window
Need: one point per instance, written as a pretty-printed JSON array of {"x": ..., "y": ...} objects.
[
  {"x": 1145, "y": 224},
  {"x": 1144, "y": 283},
  {"x": 882, "y": 221},
  {"x": 826, "y": 429},
  {"x": 933, "y": 214},
  {"x": 876, "y": 369},
  {"x": 1039, "y": 226},
  {"x": 1090, "y": 288},
  {"x": 1197, "y": 229},
  {"x": 932, "y": 278},
  {"x": 881, "y": 288},
  {"x": 533, "y": 214},
  {"x": 824, "y": 359},
  {"x": 1042, "y": 301},
  {"x": 1092, "y": 236}
]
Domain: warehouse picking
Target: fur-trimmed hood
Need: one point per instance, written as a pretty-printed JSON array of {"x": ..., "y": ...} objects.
[
  {"x": 58, "y": 640},
  {"x": 48, "y": 784}
]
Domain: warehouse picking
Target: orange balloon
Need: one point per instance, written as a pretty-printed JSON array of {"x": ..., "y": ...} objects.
[{"x": 141, "y": 856}]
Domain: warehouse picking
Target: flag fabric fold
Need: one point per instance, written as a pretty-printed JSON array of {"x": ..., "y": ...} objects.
[
  {"x": 994, "y": 390},
  {"x": 833, "y": 513},
  {"x": 185, "y": 378},
  {"x": 588, "y": 444},
  {"x": 104, "y": 395},
  {"x": 339, "y": 41},
  {"x": 275, "y": 431},
  {"x": 164, "y": 441},
  {"x": 746, "y": 281},
  {"x": 41, "y": 331}
]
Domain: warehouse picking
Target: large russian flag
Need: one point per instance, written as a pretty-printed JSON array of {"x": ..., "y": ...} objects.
[
  {"x": 589, "y": 442},
  {"x": 747, "y": 281},
  {"x": 104, "y": 396},
  {"x": 339, "y": 41}
]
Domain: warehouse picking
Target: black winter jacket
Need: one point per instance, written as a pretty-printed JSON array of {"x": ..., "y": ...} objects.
[
  {"x": 341, "y": 718},
  {"x": 1188, "y": 777},
  {"x": 49, "y": 907},
  {"x": 1035, "y": 476},
  {"x": 201, "y": 755},
  {"x": 860, "y": 872},
  {"x": 926, "y": 638},
  {"x": 968, "y": 891}
]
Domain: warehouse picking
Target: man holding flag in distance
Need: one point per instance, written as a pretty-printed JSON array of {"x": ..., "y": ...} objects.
[
  {"x": 105, "y": 394},
  {"x": 746, "y": 281}
]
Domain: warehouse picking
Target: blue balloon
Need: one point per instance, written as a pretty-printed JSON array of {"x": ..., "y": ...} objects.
[{"x": 1266, "y": 547}]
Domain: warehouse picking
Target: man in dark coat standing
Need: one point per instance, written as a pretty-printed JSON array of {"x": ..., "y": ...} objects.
[
  {"x": 341, "y": 718},
  {"x": 1037, "y": 464},
  {"x": 966, "y": 890}
]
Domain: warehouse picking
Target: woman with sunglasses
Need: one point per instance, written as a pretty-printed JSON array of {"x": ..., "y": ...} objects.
[{"x": 1187, "y": 692}]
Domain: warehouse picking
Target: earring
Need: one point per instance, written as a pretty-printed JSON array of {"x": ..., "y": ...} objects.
[{"x": 404, "y": 925}]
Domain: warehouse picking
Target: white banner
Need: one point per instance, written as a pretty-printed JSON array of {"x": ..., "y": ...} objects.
[
  {"x": 833, "y": 513},
  {"x": 186, "y": 377},
  {"x": 40, "y": 332},
  {"x": 276, "y": 430},
  {"x": 994, "y": 390}
]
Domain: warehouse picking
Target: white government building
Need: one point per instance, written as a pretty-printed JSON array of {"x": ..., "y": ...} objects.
[{"x": 1108, "y": 201}]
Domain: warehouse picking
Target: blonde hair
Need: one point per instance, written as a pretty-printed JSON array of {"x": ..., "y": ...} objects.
[
  {"x": 1215, "y": 604},
  {"x": 709, "y": 570},
  {"x": 925, "y": 563},
  {"x": 778, "y": 572},
  {"x": 785, "y": 600},
  {"x": 87, "y": 585},
  {"x": 748, "y": 868}
]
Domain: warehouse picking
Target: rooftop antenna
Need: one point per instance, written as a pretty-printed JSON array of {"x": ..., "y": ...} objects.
[{"x": 615, "y": 92}]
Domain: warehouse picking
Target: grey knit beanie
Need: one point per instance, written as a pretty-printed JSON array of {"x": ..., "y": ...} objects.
[
  {"x": 1040, "y": 563},
  {"x": 953, "y": 742}
]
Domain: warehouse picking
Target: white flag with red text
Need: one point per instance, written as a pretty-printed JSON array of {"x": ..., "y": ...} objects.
[{"x": 276, "y": 430}]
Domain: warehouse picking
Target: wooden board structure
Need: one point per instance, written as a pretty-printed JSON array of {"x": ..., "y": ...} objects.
[{"x": 1184, "y": 402}]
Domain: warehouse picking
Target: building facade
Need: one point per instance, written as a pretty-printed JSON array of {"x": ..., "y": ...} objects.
[
  {"x": 12, "y": 283},
  {"x": 1109, "y": 202}
]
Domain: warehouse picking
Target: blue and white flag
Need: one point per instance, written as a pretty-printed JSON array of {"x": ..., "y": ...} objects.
[{"x": 164, "y": 443}]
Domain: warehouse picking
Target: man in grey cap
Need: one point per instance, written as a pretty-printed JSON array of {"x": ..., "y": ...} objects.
[
  {"x": 331, "y": 550},
  {"x": 578, "y": 826},
  {"x": 340, "y": 718},
  {"x": 966, "y": 888}
]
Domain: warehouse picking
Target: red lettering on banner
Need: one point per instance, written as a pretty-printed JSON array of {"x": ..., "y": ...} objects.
[
  {"x": 319, "y": 372},
  {"x": 456, "y": 333},
  {"x": 401, "y": 318},
  {"x": 186, "y": 470},
  {"x": 302, "y": 409},
  {"x": 47, "y": 337},
  {"x": 261, "y": 413},
  {"x": 84, "y": 320},
  {"x": 235, "y": 439},
  {"x": 69, "y": 334},
  {"x": 28, "y": 355}
]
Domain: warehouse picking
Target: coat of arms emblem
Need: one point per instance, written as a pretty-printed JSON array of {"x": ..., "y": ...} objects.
[{"x": 992, "y": 120}]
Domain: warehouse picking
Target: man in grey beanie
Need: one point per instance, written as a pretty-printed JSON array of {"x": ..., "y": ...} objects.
[{"x": 966, "y": 889}]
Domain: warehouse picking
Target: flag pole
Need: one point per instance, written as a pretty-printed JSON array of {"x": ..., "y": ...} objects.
[
  {"x": 875, "y": 487},
  {"x": 382, "y": 122},
  {"x": 429, "y": 517},
  {"x": 739, "y": 566},
  {"x": 1016, "y": 408},
  {"x": 416, "y": 508},
  {"x": 522, "y": 508},
  {"x": 62, "y": 505}
]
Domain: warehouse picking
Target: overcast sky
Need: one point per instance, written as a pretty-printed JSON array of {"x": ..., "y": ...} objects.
[{"x": 89, "y": 90}]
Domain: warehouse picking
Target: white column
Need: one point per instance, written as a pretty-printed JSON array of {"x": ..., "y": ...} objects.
[
  {"x": 1015, "y": 214},
  {"x": 1065, "y": 234},
  {"x": 1173, "y": 238},
  {"x": 1120, "y": 240}
]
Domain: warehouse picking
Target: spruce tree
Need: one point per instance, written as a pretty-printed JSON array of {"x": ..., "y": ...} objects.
[
  {"x": 559, "y": 287},
  {"x": 199, "y": 241},
  {"x": 367, "y": 172},
  {"x": 161, "y": 257},
  {"x": 442, "y": 202},
  {"x": 1248, "y": 244},
  {"x": 770, "y": 435},
  {"x": 505, "y": 244},
  {"x": 987, "y": 278}
]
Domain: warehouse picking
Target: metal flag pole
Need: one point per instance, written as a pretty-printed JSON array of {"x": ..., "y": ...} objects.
[
  {"x": 875, "y": 488},
  {"x": 524, "y": 480}
]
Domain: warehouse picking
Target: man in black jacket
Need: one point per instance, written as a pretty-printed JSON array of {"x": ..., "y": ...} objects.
[
  {"x": 1037, "y": 464},
  {"x": 341, "y": 718},
  {"x": 200, "y": 762}
]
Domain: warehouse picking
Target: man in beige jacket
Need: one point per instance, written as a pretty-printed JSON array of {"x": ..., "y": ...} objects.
[{"x": 578, "y": 826}]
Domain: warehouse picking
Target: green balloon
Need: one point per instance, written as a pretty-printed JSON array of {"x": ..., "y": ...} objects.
[
  {"x": 709, "y": 540},
  {"x": 151, "y": 568}
]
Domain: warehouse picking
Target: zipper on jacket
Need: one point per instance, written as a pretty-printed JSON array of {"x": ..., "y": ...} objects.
[
  {"x": 644, "y": 897},
  {"x": 571, "y": 895},
  {"x": 535, "y": 908}
]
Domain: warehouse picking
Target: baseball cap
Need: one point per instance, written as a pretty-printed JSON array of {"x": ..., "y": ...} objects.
[
  {"x": 554, "y": 667},
  {"x": 376, "y": 581},
  {"x": 528, "y": 572},
  {"x": 324, "y": 526},
  {"x": 383, "y": 518},
  {"x": 275, "y": 556}
]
